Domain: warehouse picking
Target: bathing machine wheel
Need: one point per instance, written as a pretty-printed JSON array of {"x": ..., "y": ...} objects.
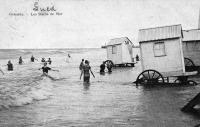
[
  {"x": 149, "y": 77},
  {"x": 190, "y": 66},
  {"x": 191, "y": 83},
  {"x": 183, "y": 80},
  {"x": 188, "y": 62}
]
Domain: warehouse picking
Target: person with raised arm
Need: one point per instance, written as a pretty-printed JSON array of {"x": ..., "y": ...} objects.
[{"x": 45, "y": 70}]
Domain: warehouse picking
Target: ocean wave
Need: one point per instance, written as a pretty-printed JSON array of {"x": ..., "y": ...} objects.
[{"x": 19, "y": 92}]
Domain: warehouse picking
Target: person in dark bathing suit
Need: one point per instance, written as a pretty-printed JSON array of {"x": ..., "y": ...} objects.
[
  {"x": 20, "y": 60},
  {"x": 49, "y": 61},
  {"x": 43, "y": 60},
  {"x": 45, "y": 70},
  {"x": 109, "y": 67},
  {"x": 86, "y": 72},
  {"x": 81, "y": 65},
  {"x": 10, "y": 66},
  {"x": 33, "y": 58},
  {"x": 102, "y": 67}
]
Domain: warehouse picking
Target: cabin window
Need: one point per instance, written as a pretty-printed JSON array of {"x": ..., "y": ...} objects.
[
  {"x": 159, "y": 49},
  {"x": 114, "y": 49}
]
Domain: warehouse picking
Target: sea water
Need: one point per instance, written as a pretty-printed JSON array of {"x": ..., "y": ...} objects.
[{"x": 27, "y": 99}]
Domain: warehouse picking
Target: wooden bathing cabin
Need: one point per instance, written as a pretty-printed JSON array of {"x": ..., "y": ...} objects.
[
  {"x": 119, "y": 52},
  {"x": 161, "y": 50},
  {"x": 191, "y": 49}
]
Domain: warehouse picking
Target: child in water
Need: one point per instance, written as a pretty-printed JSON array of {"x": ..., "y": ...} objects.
[{"x": 86, "y": 72}]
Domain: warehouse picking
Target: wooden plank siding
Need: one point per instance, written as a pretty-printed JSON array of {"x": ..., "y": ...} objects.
[{"x": 171, "y": 59}]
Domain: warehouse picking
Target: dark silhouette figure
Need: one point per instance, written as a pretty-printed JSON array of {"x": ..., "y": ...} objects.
[
  {"x": 10, "y": 66},
  {"x": 109, "y": 67},
  {"x": 49, "y": 61},
  {"x": 33, "y": 58},
  {"x": 102, "y": 67},
  {"x": 20, "y": 60},
  {"x": 81, "y": 64},
  {"x": 43, "y": 60},
  {"x": 137, "y": 57}
]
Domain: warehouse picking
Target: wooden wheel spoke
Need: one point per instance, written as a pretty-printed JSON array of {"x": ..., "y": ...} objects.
[
  {"x": 148, "y": 75},
  {"x": 188, "y": 62},
  {"x": 153, "y": 74},
  {"x": 144, "y": 76},
  {"x": 158, "y": 77}
]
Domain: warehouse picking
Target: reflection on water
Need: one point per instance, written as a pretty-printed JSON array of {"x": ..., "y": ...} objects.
[
  {"x": 108, "y": 100},
  {"x": 86, "y": 86}
]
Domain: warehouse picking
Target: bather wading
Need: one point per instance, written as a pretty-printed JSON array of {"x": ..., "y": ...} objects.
[{"x": 86, "y": 72}]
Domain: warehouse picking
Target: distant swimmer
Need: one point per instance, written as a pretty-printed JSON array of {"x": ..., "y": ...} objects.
[
  {"x": 33, "y": 58},
  {"x": 69, "y": 55},
  {"x": 43, "y": 60},
  {"x": 102, "y": 67},
  {"x": 86, "y": 72},
  {"x": 49, "y": 61},
  {"x": 68, "y": 58},
  {"x": 10, "y": 66},
  {"x": 81, "y": 65},
  {"x": 45, "y": 70},
  {"x": 20, "y": 60}
]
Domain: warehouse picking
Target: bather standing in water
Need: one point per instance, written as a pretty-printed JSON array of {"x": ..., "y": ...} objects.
[
  {"x": 81, "y": 65},
  {"x": 49, "y": 61},
  {"x": 45, "y": 70},
  {"x": 109, "y": 67},
  {"x": 43, "y": 60},
  {"x": 33, "y": 58},
  {"x": 20, "y": 60},
  {"x": 10, "y": 66},
  {"x": 68, "y": 58},
  {"x": 86, "y": 72},
  {"x": 102, "y": 67}
]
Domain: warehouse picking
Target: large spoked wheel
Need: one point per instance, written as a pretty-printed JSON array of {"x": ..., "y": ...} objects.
[
  {"x": 189, "y": 65},
  {"x": 149, "y": 77},
  {"x": 191, "y": 83},
  {"x": 188, "y": 62}
]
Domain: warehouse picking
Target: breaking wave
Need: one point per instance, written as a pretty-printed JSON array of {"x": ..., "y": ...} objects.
[{"x": 19, "y": 90}]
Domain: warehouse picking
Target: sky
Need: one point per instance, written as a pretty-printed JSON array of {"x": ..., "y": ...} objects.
[{"x": 88, "y": 23}]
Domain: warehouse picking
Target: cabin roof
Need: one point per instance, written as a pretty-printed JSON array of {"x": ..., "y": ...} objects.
[
  {"x": 160, "y": 33},
  {"x": 191, "y": 35},
  {"x": 117, "y": 41}
]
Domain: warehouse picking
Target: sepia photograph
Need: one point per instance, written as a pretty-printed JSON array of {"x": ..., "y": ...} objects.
[{"x": 100, "y": 63}]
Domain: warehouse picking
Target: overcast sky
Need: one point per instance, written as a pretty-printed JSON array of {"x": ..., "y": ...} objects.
[{"x": 89, "y": 23}]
